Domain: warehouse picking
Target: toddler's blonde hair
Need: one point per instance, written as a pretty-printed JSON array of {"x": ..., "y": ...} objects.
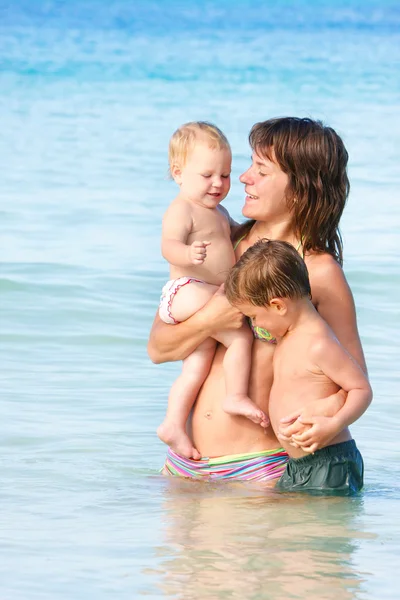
[{"x": 185, "y": 137}]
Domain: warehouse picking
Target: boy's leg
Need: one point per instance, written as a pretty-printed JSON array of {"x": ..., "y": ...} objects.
[
  {"x": 182, "y": 397},
  {"x": 237, "y": 365}
]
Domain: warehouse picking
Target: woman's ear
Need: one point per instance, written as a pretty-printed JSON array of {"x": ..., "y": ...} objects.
[
  {"x": 176, "y": 173},
  {"x": 279, "y": 305}
]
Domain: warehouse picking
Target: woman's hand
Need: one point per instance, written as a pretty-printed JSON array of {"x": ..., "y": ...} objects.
[
  {"x": 169, "y": 343},
  {"x": 219, "y": 314}
]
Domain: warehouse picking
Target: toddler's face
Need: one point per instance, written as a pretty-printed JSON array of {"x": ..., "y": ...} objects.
[{"x": 205, "y": 178}]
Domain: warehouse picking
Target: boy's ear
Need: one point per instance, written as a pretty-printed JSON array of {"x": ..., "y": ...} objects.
[
  {"x": 279, "y": 305},
  {"x": 176, "y": 173}
]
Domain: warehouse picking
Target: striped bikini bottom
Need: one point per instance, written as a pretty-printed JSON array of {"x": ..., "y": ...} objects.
[{"x": 254, "y": 466}]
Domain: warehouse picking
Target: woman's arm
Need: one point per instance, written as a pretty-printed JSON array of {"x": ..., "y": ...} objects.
[
  {"x": 334, "y": 301},
  {"x": 176, "y": 342}
]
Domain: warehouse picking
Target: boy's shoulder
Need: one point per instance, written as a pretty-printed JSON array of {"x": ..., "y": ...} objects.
[{"x": 322, "y": 341}]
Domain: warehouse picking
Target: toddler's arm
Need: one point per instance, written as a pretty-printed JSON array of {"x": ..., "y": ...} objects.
[{"x": 177, "y": 225}]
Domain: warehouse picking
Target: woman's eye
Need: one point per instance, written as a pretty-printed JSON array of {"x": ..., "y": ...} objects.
[{"x": 261, "y": 173}]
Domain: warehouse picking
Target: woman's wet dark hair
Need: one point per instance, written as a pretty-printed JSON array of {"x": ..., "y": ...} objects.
[{"x": 314, "y": 158}]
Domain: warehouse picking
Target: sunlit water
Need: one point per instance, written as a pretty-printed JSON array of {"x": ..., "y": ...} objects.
[{"x": 89, "y": 94}]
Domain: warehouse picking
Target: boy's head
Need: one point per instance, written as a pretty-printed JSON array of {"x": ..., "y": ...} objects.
[
  {"x": 266, "y": 277},
  {"x": 200, "y": 162}
]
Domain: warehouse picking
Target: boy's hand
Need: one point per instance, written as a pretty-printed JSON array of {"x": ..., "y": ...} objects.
[
  {"x": 320, "y": 434},
  {"x": 198, "y": 252},
  {"x": 291, "y": 425},
  {"x": 294, "y": 427}
]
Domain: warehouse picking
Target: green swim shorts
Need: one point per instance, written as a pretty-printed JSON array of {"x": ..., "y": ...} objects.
[{"x": 336, "y": 469}]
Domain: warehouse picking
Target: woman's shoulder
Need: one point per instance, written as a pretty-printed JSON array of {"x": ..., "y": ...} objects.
[
  {"x": 322, "y": 264},
  {"x": 326, "y": 275}
]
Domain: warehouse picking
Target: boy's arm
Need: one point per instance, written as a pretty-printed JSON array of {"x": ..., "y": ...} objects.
[
  {"x": 339, "y": 366},
  {"x": 176, "y": 227}
]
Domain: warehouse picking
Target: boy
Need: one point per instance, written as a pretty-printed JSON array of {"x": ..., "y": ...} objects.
[
  {"x": 270, "y": 285},
  {"x": 196, "y": 242}
]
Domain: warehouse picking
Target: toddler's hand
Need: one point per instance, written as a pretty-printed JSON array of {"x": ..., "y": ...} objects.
[{"x": 198, "y": 252}]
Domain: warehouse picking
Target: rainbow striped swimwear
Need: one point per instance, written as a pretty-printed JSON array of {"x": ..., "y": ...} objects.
[{"x": 254, "y": 466}]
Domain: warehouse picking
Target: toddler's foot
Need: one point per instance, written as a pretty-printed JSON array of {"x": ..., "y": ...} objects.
[
  {"x": 178, "y": 440},
  {"x": 241, "y": 405}
]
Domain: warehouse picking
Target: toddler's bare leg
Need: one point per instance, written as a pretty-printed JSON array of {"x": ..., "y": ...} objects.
[
  {"x": 188, "y": 300},
  {"x": 237, "y": 365},
  {"x": 181, "y": 399}
]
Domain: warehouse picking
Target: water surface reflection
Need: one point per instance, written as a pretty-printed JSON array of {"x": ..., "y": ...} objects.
[{"x": 236, "y": 541}]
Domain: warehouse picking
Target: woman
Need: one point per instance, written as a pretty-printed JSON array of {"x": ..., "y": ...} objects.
[{"x": 296, "y": 189}]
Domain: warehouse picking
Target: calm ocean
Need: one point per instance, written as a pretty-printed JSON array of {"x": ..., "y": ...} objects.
[{"x": 90, "y": 92}]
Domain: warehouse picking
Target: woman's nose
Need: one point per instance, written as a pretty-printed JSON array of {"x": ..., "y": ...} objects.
[{"x": 245, "y": 177}]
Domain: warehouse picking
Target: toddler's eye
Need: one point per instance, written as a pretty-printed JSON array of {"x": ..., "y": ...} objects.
[
  {"x": 226, "y": 176},
  {"x": 206, "y": 176}
]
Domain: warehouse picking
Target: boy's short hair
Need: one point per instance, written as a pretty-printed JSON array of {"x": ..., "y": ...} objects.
[
  {"x": 184, "y": 138},
  {"x": 269, "y": 269}
]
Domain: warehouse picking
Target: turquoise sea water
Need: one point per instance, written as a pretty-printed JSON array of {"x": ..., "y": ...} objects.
[{"x": 89, "y": 94}]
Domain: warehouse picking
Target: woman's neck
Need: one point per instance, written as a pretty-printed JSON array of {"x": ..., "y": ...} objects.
[{"x": 281, "y": 230}]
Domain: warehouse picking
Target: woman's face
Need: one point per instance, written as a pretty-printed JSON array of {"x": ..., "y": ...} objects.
[{"x": 265, "y": 185}]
